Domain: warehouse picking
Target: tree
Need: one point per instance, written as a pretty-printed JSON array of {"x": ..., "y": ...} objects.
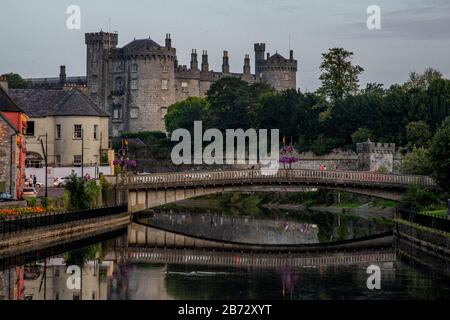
[
  {"x": 230, "y": 103},
  {"x": 80, "y": 194},
  {"x": 418, "y": 134},
  {"x": 361, "y": 135},
  {"x": 339, "y": 77},
  {"x": 15, "y": 81},
  {"x": 182, "y": 114},
  {"x": 417, "y": 162},
  {"x": 422, "y": 81},
  {"x": 440, "y": 155}
]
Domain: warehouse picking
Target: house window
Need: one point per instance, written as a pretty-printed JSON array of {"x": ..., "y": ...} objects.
[
  {"x": 58, "y": 131},
  {"x": 164, "y": 84},
  {"x": 134, "y": 84},
  {"x": 58, "y": 160},
  {"x": 95, "y": 131},
  {"x": 77, "y": 160},
  {"x": 134, "y": 68},
  {"x": 134, "y": 113},
  {"x": 116, "y": 112},
  {"x": 77, "y": 131},
  {"x": 30, "y": 128}
]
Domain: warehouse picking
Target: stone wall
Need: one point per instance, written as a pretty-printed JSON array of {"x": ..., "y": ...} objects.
[{"x": 7, "y": 168}]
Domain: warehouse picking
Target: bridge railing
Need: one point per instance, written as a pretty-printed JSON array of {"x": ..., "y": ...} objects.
[{"x": 283, "y": 176}]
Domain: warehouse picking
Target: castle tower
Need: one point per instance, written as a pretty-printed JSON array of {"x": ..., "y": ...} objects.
[
  {"x": 225, "y": 63},
  {"x": 278, "y": 72},
  {"x": 260, "y": 49},
  {"x": 205, "y": 64},
  {"x": 375, "y": 156},
  {"x": 98, "y": 45},
  {"x": 194, "y": 61}
]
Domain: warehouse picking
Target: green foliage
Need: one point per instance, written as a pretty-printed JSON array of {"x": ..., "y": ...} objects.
[
  {"x": 157, "y": 145},
  {"x": 422, "y": 81},
  {"x": 418, "y": 198},
  {"x": 361, "y": 135},
  {"x": 182, "y": 114},
  {"x": 418, "y": 134},
  {"x": 31, "y": 202},
  {"x": 80, "y": 194},
  {"x": 15, "y": 81},
  {"x": 321, "y": 144},
  {"x": 440, "y": 155},
  {"x": 417, "y": 162},
  {"x": 339, "y": 77}
]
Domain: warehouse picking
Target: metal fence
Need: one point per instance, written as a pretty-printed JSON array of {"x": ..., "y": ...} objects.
[
  {"x": 11, "y": 225},
  {"x": 425, "y": 219}
]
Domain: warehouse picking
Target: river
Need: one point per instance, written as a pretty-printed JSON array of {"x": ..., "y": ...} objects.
[{"x": 103, "y": 268}]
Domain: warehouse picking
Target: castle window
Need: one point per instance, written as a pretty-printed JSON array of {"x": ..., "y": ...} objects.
[
  {"x": 134, "y": 68},
  {"x": 184, "y": 86},
  {"x": 94, "y": 88},
  {"x": 164, "y": 68},
  {"x": 286, "y": 77},
  {"x": 134, "y": 113},
  {"x": 134, "y": 84},
  {"x": 165, "y": 84},
  {"x": 116, "y": 112}
]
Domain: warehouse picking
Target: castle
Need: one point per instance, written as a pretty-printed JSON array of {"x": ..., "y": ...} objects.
[{"x": 136, "y": 84}]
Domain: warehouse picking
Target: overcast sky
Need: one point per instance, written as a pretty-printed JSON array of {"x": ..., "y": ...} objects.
[{"x": 34, "y": 39}]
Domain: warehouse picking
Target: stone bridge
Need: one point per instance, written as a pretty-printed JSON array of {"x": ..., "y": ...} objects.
[{"x": 148, "y": 191}]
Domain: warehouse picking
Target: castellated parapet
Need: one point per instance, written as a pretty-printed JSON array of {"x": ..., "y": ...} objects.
[
  {"x": 375, "y": 156},
  {"x": 136, "y": 84}
]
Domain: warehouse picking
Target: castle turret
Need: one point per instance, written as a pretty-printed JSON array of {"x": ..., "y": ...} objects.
[
  {"x": 225, "y": 63},
  {"x": 62, "y": 74},
  {"x": 168, "y": 41},
  {"x": 260, "y": 49},
  {"x": 194, "y": 61},
  {"x": 247, "y": 68},
  {"x": 278, "y": 72},
  {"x": 205, "y": 64}
]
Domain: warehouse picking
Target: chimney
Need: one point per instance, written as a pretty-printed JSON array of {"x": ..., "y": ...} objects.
[
  {"x": 247, "y": 64},
  {"x": 205, "y": 64},
  {"x": 194, "y": 61},
  {"x": 62, "y": 74},
  {"x": 225, "y": 64},
  {"x": 4, "y": 83},
  {"x": 268, "y": 55},
  {"x": 291, "y": 55},
  {"x": 168, "y": 41}
]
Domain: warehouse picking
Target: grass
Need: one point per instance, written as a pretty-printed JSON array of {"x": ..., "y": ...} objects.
[{"x": 439, "y": 212}]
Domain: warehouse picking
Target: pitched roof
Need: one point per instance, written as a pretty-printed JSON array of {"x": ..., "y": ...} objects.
[
  {"x": 7, "y": 104},
  {"x": 8, "y": 123},
  {"x": 277, "y": 57},
  {"x": 42, "y": 103},
  {"x": 141, "y": 44}
]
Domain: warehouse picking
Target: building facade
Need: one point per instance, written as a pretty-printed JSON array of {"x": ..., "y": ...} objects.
[
  {"x": 12, "y": 143},
  {"x": 136, "y": 84},
  {"x": 67, "y": 124}
]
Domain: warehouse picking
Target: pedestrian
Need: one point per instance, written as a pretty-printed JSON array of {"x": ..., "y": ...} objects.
[{"x": 34, "y": 180}]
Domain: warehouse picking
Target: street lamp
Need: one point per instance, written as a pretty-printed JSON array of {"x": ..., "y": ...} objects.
[
  {"x": 82, "y": 152},
  {"x": 46, "y": 163}
]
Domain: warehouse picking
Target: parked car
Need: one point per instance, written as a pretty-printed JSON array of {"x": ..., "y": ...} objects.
[
  {"x": 6, "y": 196},
  {"x": 60, "y": 182},
  {"x": 28, "y": 193}
]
